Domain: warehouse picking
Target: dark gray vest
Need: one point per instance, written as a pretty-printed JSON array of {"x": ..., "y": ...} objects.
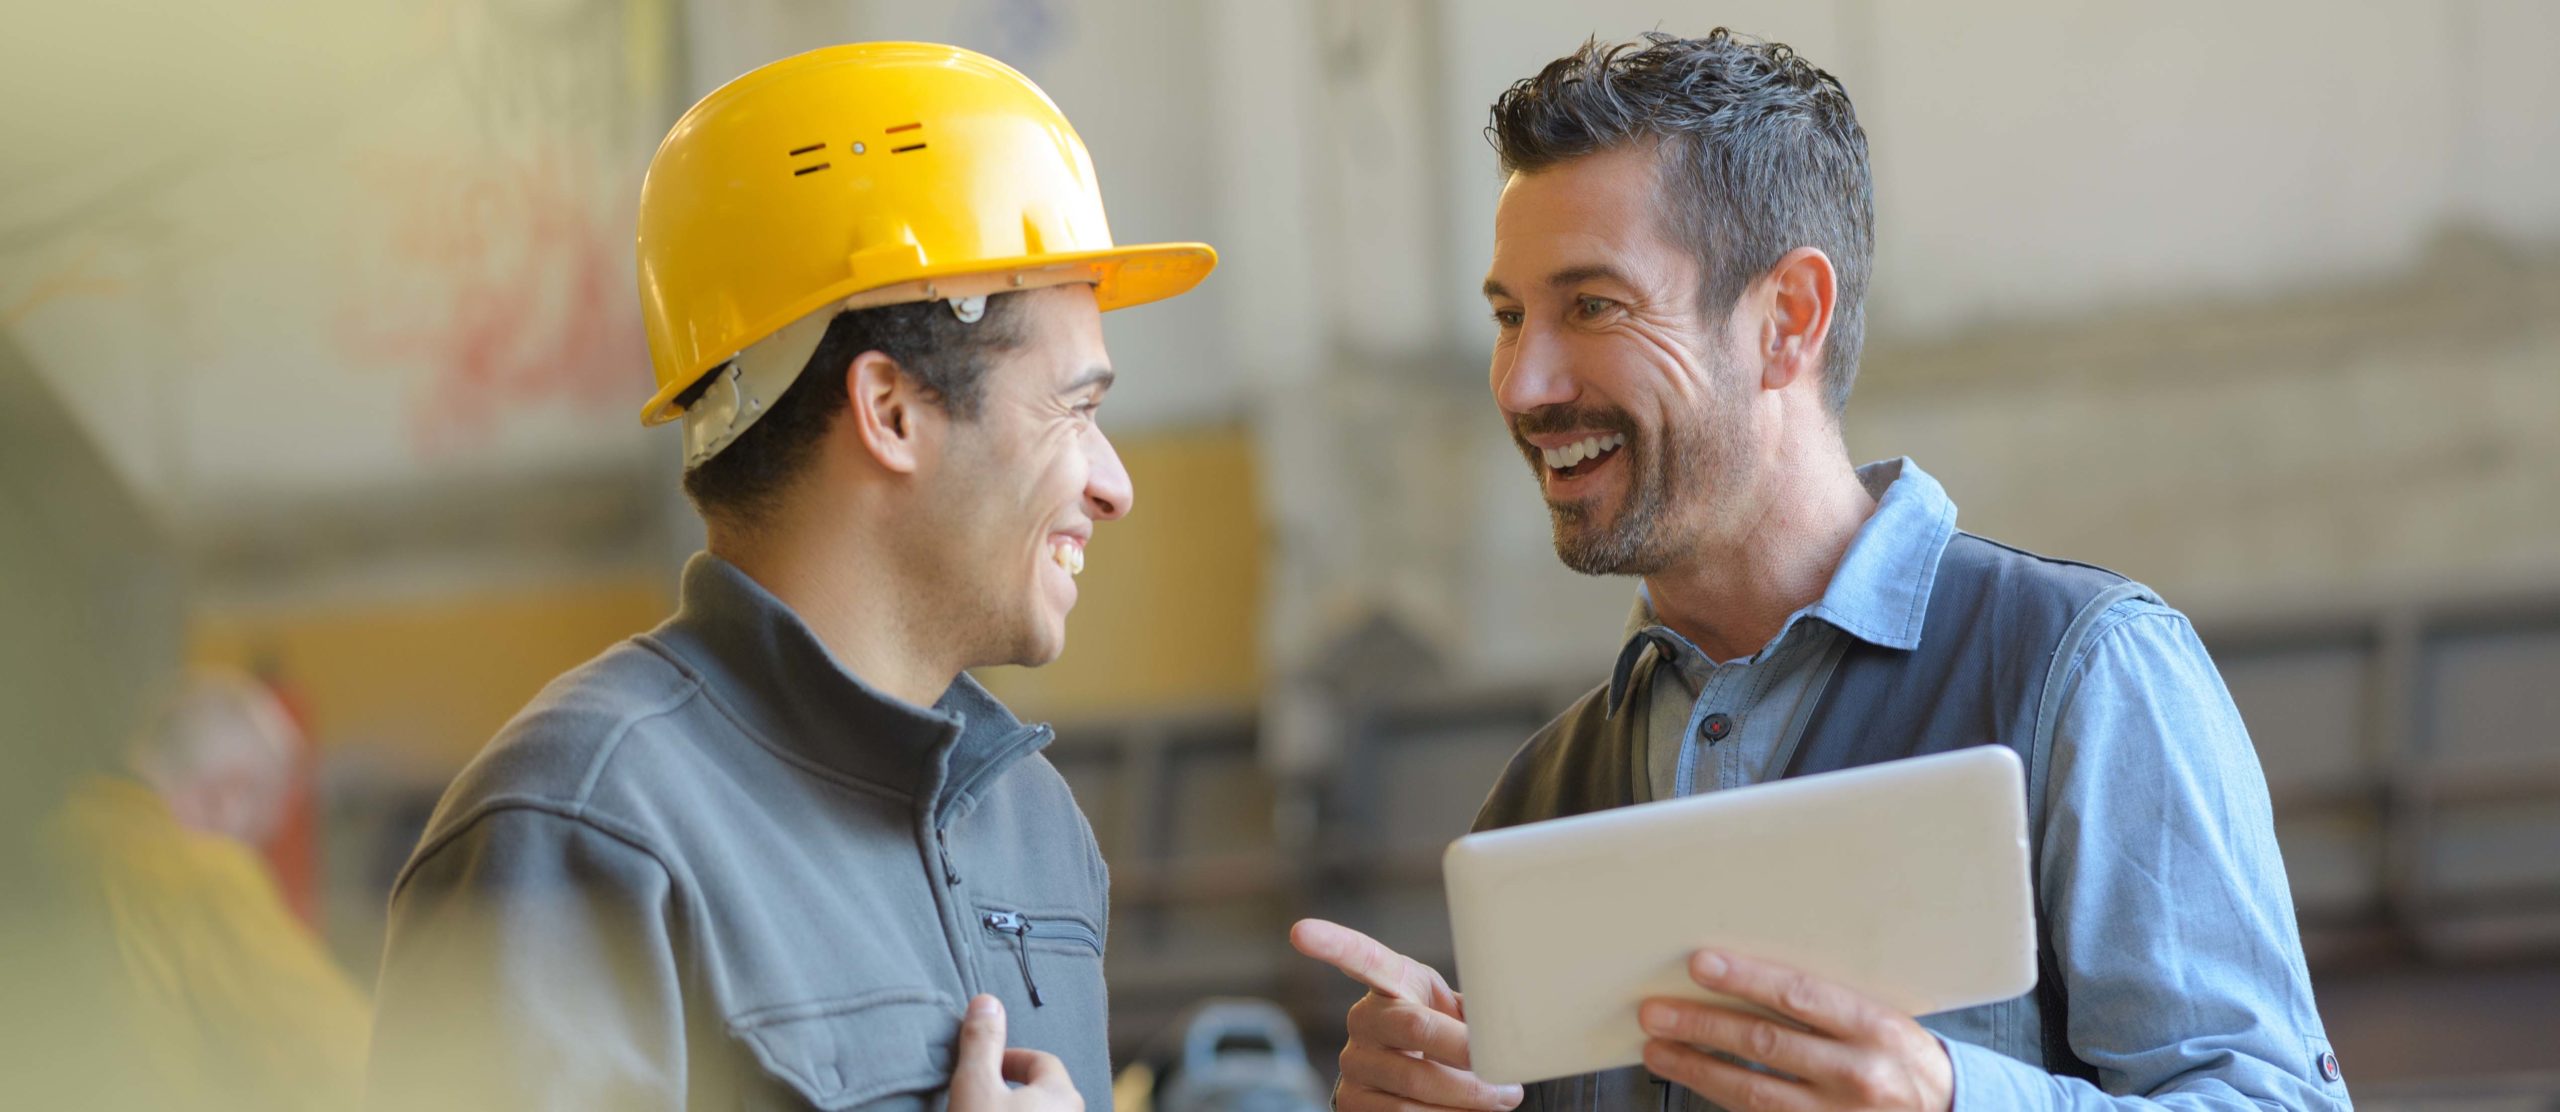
[{"x": 2002, "y": 629}]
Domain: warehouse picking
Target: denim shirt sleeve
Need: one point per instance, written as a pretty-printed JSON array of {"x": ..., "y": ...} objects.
[{"x": 2172, "y": 924}]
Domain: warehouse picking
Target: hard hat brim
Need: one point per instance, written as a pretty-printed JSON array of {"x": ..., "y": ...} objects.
[{"x": 1121, "y": 277}]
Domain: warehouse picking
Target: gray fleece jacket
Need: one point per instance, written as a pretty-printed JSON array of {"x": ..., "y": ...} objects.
[{"x": 712, "y": 869}]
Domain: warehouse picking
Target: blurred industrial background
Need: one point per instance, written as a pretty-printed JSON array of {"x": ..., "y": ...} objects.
[{"x": 319, "y": 360}]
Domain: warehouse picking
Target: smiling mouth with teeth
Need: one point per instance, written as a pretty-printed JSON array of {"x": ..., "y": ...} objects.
[
  {"x": 1068, "y": 555},
  {"x": 1576, "y": 458}
]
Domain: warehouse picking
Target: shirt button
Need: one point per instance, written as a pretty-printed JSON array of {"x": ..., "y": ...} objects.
[{"x": 1716, "y": 726}]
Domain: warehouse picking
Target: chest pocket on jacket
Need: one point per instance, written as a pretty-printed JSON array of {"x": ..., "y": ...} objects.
[
  {"x": 840, "y": 1054},
  {"x": 1029, "y": 935}
]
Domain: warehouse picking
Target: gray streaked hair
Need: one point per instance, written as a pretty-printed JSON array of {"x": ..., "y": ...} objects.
[{"x": 1760, "y": 153}]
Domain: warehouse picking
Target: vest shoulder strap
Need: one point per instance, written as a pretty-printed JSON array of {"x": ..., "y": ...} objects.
[{"x": 1579, "y": 763}]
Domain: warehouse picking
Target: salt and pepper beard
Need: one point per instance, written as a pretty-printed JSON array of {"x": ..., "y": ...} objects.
[{"x": 1695, "y": 458}]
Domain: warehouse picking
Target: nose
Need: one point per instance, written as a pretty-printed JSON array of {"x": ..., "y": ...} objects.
[
  {"x": 1108, "y": 494},
  {"x": 1530, "y": 374}
]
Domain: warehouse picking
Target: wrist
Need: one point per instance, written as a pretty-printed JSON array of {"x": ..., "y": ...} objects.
[{"x": 1940, "y": 1072}]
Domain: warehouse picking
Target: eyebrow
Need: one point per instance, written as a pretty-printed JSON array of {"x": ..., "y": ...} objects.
[
  {"x": 1569, "y": 276},
  {"x": 1576, "y": 275},
  {"x": 1093, "y": 376}
]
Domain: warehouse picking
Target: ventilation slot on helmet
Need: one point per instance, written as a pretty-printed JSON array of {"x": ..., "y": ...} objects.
[
  {"x": 810, "y": 169},
  {"x": 915, "y": 146},
  {"x": 905, "y": 149},
  {"x": 811, "y": 147}
]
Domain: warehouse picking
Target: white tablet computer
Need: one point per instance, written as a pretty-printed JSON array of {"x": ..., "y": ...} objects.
[{"x": 1907, "y": 880}]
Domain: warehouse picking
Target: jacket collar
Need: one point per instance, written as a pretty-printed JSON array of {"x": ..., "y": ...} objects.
[{"x": 763, "y": 667}]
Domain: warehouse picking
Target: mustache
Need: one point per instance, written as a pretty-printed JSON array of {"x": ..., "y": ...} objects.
[{"x": 1570, "y": 418}]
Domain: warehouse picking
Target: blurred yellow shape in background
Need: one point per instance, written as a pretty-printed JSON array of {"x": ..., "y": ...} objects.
[{"x": 231, "y": 1001}]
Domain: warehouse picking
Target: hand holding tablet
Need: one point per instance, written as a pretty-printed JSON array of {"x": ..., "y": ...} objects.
[
  {"x": 1843, "y": 904},
  {"x": 1838, "y": 1048}
]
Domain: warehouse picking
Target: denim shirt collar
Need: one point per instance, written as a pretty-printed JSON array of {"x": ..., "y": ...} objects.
[
  {"x": 1880, "y": 592},
  {"x": 772, "y": 674}
]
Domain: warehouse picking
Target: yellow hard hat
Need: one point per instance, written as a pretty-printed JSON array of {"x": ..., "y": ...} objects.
[{"x": 855, "y": 176}]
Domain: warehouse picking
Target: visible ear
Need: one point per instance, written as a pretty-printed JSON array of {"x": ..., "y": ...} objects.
[
  {"x": 887, "y": 410},
  {"x": 1800, "y": 291}
]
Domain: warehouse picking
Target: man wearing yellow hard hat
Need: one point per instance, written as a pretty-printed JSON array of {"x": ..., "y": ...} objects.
[{"x": 773, "y": 853}]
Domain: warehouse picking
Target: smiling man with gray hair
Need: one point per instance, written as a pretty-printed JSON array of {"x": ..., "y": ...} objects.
[{"x": 1680, "y": 264}]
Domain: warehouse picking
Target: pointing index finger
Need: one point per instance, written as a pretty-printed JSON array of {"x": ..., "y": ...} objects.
[{"x": 1366, "y": 960}]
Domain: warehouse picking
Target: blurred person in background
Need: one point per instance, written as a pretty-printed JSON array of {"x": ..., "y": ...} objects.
[
  {"x": 1680, "y": 261},
  {"x": 770, "y": 854},
  {"x": 228, "y": 998},
  {"x": 151, "y": 957}
]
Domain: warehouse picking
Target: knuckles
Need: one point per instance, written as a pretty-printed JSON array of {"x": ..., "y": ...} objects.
[
  {"x": 1348, "y": 1062},
  {"x": 1368, "y": 1022},
  {"x": 1364, "y": 1099},
  {"x": 1760, "y": 1094},
  {"x": 1409, "y": 1026},
  {"x": 1800, "y": 997},
  {"x": 1681, "y": 1069},
  {"x": 1872, "y": 1082},
  {"x": 1371, "y": 1067},
  {"x": 1391, "y": 1024},
  {"x": 1764, "y": 1039}
]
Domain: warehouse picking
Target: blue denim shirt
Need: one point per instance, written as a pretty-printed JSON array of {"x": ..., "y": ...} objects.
[{"x": 2170, "y": 915}]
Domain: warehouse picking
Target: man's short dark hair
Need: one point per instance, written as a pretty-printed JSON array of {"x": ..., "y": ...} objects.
[
  {"x": 1761, "y": 153},
  {"x": 743, "y": 482}
]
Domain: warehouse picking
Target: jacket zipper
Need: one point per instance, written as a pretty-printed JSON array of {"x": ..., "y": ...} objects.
[
  {"x": 1023, "y": 929},
  {"x": 1021, "y": 740}
]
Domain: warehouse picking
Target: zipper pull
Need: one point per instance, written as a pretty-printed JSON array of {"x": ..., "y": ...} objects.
[
  {"x": 950, "y": 876},
  {"x": 1007, "y": 922}
]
